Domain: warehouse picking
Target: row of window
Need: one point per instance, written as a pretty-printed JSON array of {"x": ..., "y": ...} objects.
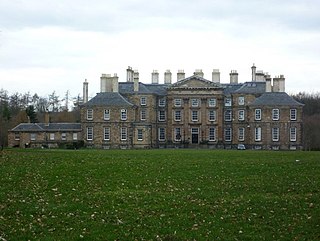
[
  {"x": 275, "y": 114},
  {"x": 275, "y": 135},
  {"x": 107, "y": 113},
  {"x": 52, "y": 136}
]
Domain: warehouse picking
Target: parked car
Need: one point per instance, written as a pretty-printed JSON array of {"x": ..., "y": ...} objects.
[{"x": 241, "y": 147}]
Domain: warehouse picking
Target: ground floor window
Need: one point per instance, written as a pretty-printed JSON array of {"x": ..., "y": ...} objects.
[
  {"x": 75, "y": 136},
  {"x": 275, "y": 134},
  {"x": 123, "y": 134},
  {"x": 51, "y": 136},
  {"x": 63, "y": 136},
  {"x": 106, "y": 132},
  {"x": 140, "y": 134},
  {"x": 293, "y": 134},
  {"x": 177, "y": 134},
  {"x": 257, "y": 135},
  {"x": 17, "y": 136},
  {"x": 212, "y": 134},
  {"x": 241, "y": 134},
  {"x": 228, "y": 134},
  {"x": 162, "y": 134},
  {"x": 90, "y": 133},
  {"x": 33, "y": 136}
]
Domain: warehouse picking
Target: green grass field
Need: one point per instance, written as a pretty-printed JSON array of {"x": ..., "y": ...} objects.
[{"x": 159, "y": 195}]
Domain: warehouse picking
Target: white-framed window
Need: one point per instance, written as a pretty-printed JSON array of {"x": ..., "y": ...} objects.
[
  {"x": 293, "y": 134},
  {"x": 74, "y": 136},
  {"x": 106, "y": 115},
  {"x": 162, "y": 134},
  {"x": 241, "y": 134},
  {"x": 106, "y": 135},
  {"x": 177, "y": 102},
  {"x": 17, "y": 136},
  {"x": 143, "y": 114},
  {"x": 257, "y": 114},
  {"x": 275, "y": 114},
  {"x": 177, "y": 134},
  {"x": 33, "y": 136},
  {"x": 275, "y": 134},
  {"x": 123, "y": 133},
  {"x": 241, "y": 115},
  {"x": 89, "y": 114},
  {"x": 241, "y": 100},
  {"x": 228, "y": 101},
  {"x": 161, "y": 115},
  {"x": 123, "y": 114},
  {"x": 257, "y": 134},
  {"x": 63, "y": 136},
  {"x": 194, "y": 102},
  {"x": 140, "y": 134},
  {"x": 89, "y": 133},
  {"x": 162, "y": 102},
  {"x": 194, "y": 115},
  {"x": 212, "y": 102},
  {"x": 177, "y": 115},
  {"x": 228, "y": 134},
  {"x": 212, "y": 134},
  {"x": 293, "y": 114},
  {"x": 51, "y": 136},
  {"x": 212, "y": 115},
  {"x": 228, "y": 115},
  {"x": 143, "y": 100}
]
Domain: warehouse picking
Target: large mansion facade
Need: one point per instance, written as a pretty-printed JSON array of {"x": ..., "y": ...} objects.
[{"x": 192, "y": 112}]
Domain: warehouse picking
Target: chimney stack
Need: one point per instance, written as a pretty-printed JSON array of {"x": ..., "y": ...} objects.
[
  {"x": 85, "y": 91},
  {"x": 260, "y": 76},
  {"x": 46, "y": 118},
  {"x": 253, "y": 71},
  {"x": 155, "y": 77},
  {"x": 136, "y": 81},
  {"x": 216, "y": 76},
  {"x": 279, "y": 84},
  {"x": 198, "y": 72},
  {"x": 115, "y": 84},
  {"x": 233, "y": 77},
  {"x": 180, "y": 75},
  {"x": 129, "y": 74},
  {"x": 106, "y": 83},
  {"x": 167, "y": 77}
]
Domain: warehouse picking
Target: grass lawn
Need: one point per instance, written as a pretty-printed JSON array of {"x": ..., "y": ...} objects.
[{"x": 159, "y": 195}]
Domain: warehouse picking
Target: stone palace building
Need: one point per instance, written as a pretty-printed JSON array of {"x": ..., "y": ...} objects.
[{"x": 193, "y": 112}]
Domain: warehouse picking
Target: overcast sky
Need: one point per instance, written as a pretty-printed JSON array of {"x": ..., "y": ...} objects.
[{"x": 50, "y": 45}]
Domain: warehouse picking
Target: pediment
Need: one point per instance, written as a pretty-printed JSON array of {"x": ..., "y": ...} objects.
[{"x": 194, "y": 82}]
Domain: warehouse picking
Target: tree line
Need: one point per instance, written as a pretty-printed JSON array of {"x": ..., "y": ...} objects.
[{"x": 17, "y": 108}]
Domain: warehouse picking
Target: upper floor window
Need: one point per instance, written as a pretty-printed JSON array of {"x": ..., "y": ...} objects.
[
  {"x": 228, "y": 115},
  {"x": 293, "y": 134},
  {"x": 241, "y": 115},
  {"x": 123, "y": 114},
  {"x": 241, "y": 134},
  {"x": 106, "y": 136},
  {"x": 212, "y": 102},
  {"x": 162, "y": 102},
  {"x": 194, "y": 115},
  {"x": 293, "y": 114},
  {"x": 177, "y": 134},
  {"x": 161, "y": 115},
  {"x": 257, "y": 114},
  {"x": 212, "y": 134},
  {"x": 241, "y": 100},
  {"x": 177, "y": 115},
  {"x": 275, "y": 114},
  {"x": 140, "y": 134},
  {"x": 177, "y": 102},
  {"x": 257, "y": 134},
  {"x": 194, "y": 102},
  {"x": 143, "y": 114},
  {"x": 90, "y": 133},
  {"x": 106, "y": 115},
  {"x": 212, "y": 115},
  {"x": 123, "y": 133},
  {"x": 275, "y": 134},
  {"x": 143, "y": 100},
  {"x": 89, "y": 114},
  {"x": 227, "y": 102}
]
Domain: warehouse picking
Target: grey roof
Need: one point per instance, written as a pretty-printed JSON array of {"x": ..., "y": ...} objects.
[
  {"x": 47, "y": 127},
  {"x": 230, "y": 88},
  {"x": 252, "y": 88},
  {"x": 276, "y": 98},
  {"x": 108, "y": 99},
  {"x": 127, "y": 88},
  {"x": 210, "y": 83}
]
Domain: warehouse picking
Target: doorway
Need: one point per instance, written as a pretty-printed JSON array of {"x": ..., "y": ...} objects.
[{"x": 194, "y": 135}]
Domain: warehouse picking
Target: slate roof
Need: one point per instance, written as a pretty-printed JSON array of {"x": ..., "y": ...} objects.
[
  {"x": 127, "y": 88},
  {"x": 230, "y": 88},
  {"x": 108, "y": 99},
  {"x": 275, "y": 98},
  {"x": 197, "y": 77},
  {"x": 252, "y": 88},
  {"x": 28, "y": 127}
]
